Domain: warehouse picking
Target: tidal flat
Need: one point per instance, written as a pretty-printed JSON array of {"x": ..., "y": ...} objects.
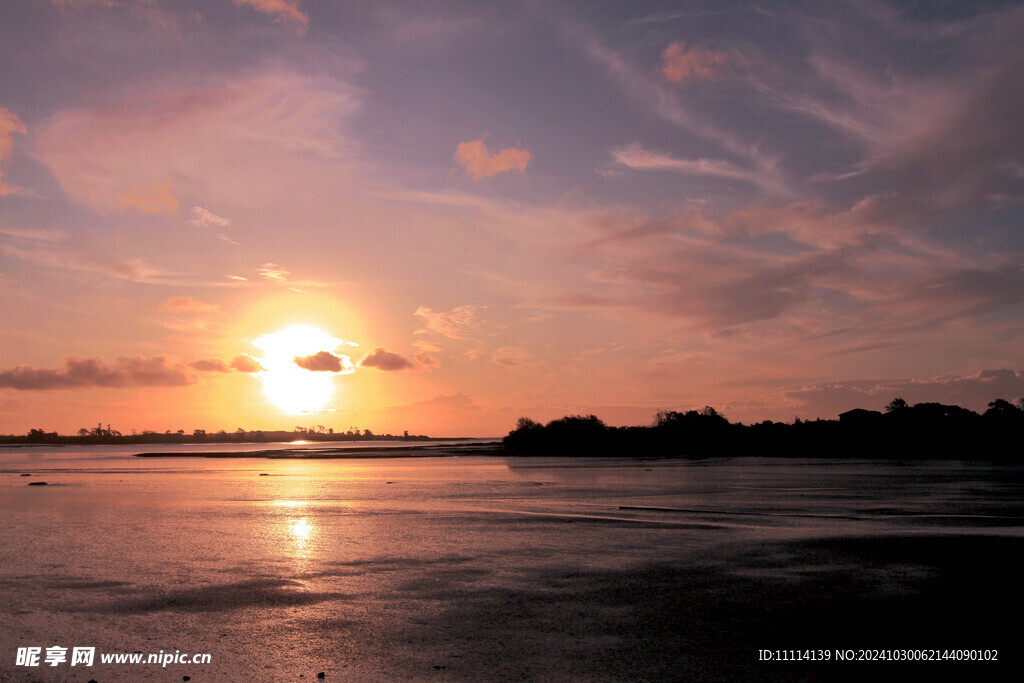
[{"x": 487, "y": 568}]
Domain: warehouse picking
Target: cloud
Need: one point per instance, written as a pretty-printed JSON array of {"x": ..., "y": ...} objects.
[
  {"x": 510, "y": 356},
  {"x": 958, "y": 159},
  {"x": 9, "y": 125},
  {"x": 323, "y": 361},
  {"x": 202, "y": 218},
  {"x": 186, "y": 304},
  {"x": 242, "y": 363},
  {"x": 155, "y": 197},
  {"x": 637, "y": 158},
  {"x": 969, "y": 391},
  {"x": 382, "y": 359},
  {"x": 283, "y": 11},
  {"x": 134, "y": 270},
  {"x": 251, "y": 136},
  {"x": 246, "y": 363},
  {"x": 660, "y": 100},
  {"x": 274, "y": 273},
  {"x": 679, "y": 64},
  {"x": 185, "y": 314},
  {"x": 480, "y": 163},
  {"x": 210, "y": 365},
  {"x": 425, "y": 360},
  {"x": 78, "y": 372},
  {"x": 35, "y": 234},
  {"x": 455, "y": 324}
]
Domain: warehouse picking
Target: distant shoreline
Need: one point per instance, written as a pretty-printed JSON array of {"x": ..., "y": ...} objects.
[{"x": 487, "y": 448}]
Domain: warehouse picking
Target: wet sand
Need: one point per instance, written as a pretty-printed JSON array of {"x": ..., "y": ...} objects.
[{"x": 433, "y": 570}]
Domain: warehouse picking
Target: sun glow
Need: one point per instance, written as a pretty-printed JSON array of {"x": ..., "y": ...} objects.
[{"x": 290, "y": 387}]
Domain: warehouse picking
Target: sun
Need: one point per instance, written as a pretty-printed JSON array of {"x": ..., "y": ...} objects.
[{"x": 288, "y": 386}]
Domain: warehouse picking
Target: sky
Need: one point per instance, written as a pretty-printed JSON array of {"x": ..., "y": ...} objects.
[{"x": 443, "y": 215}]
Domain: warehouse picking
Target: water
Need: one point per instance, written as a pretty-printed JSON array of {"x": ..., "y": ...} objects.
[{"x": 431, "y": 567}]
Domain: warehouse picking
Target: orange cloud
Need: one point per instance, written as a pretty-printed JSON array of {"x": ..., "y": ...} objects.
[
  {"x": 245, "y": 363},
  {"x": 322, "y": 361},
  {"x": 9, "y": 125},
  {"x": 283, "y": 11},
  {"x": 679, "y": 64},
  {"x": 480, "y": 163},
  {"x": 156, "y": 197}
]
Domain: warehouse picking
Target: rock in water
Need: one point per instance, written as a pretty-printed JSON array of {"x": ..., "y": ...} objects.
[{"x": 37, "y": 483}]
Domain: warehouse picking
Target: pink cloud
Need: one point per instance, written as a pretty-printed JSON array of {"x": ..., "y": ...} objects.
[
  {"x": 480, "y": 163},
  {"x": 283, "y": 11},
  {"x": 634, "y": 156},
  {"x": 134, "y": 270},
  {"x": 9, "y": 125},
  {"x": 233, "y": 140},
  {"x": 78, "y": 372},
  {"x": 680, "y": 64}
]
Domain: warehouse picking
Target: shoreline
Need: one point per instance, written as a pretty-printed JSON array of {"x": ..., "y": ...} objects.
[{"x": 488, "y": 448}]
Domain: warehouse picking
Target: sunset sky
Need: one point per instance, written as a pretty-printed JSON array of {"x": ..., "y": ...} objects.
[{"x": 485, "y": 210}]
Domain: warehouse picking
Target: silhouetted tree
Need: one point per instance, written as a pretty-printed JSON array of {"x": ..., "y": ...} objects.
[{"x": 896, "y": 404}]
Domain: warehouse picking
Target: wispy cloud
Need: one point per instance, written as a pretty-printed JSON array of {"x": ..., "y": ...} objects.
[
  {"x": 681, "y": 64},
  {"x": 634, "y": 156},
  {"x": 232, "y": 140},
  {"x": 457, "y": 323},
  {"x": 135, "y": 270},
  {"x": 204, "y": 218},
  {"x": 283, "y": 11},
  {"x": 480, "y": 163},
  {"x": 274, "y": 273},
  {"x": 35, "y": 234},
  {"x": 9, "y": 125},
  {"x": 658, "y": 98}
]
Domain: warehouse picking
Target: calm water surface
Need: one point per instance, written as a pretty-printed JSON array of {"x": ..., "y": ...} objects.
[{"x": 288, "y": 567}]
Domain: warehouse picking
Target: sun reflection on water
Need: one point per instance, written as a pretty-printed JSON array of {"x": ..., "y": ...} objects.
[{"x": 301, "y": 530}]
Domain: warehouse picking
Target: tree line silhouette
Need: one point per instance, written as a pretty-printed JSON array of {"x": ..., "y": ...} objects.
[
  {"x": 101, "y": 435},
  {"x": 924, "y": 430}
]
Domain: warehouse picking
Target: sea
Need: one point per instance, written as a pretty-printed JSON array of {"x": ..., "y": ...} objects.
[{"x": 492, "y": 568}]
